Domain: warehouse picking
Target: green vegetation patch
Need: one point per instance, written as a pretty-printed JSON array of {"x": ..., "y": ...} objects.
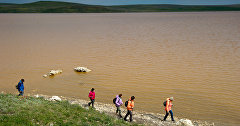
[
  {"x": 66, "y": 7},
  {"x": 174, "y": 8},
  {"x": 16, "y": 110},
  {"x": 52, "y": 7}
]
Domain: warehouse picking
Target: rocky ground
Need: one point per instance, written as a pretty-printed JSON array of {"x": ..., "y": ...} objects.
[{"x": 138, "y": 117}]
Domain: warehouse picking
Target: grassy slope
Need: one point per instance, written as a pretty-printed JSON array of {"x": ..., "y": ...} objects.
[
  {"x": 51, "y": 7},
  {"x": 175, "y": 8},
  {"x": 36, "y": 111},
  {"x": 65, "y": 7}
]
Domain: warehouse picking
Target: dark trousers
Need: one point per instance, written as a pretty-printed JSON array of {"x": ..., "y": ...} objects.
[
  {"x": 92, "y": 102},
  {"x": 128, "y": 113},
  {"x": 167, "y": 113},
  {"x": 119, "y": 110},
  {"x": 20, "y": 93}
]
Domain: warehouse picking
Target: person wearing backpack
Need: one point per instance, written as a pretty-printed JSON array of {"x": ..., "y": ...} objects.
[
  {"x": 91, "y": 96},
  {"x": 130, "y": 106},
  {"x": 168, "y": 108},
  {"x": 118, "y": 104},
  {"x": 20, "y": 87}
]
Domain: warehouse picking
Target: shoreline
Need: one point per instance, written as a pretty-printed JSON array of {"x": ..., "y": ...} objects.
[{"x": 142, "y": 117}]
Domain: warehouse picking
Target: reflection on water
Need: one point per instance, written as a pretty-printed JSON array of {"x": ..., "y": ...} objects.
[{"x": 193, "y": 57}]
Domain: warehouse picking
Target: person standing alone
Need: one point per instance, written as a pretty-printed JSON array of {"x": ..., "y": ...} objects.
[
  {"x": 91, "y": 97},
  {"x": 130, "y": 108},
  {"x": 20, "y": 87},
  {"x": 168, "y": 108},
  {"x": 118, "y": 104}
]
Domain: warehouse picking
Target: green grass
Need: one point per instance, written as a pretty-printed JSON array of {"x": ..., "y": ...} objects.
[
  {"x": 175, "y": 8},
  {"x": 66, "y": 7},
  {"x": 16, "y": 111}
]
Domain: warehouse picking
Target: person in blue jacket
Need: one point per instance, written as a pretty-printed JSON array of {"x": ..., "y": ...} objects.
[{"x": 21, "y": 87}]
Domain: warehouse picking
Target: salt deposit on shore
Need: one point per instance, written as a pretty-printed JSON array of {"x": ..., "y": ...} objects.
[{"x": 138, "y": 117}]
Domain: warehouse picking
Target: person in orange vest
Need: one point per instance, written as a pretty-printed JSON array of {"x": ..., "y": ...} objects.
[
  {"x": 168, "y": 108},
  {"x": 130, "y": 108}
]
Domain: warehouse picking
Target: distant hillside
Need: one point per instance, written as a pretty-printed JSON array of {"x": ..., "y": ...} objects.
[
  {"x": 52, "y": 7},
  {"x": 175, "y": 8},
  {"x": 65, "y": 7}
]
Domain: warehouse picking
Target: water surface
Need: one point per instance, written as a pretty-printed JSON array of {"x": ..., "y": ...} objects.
[{"x": 194, "y": 57}]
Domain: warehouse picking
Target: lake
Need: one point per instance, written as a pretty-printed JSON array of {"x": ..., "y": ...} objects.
[{"x": 192, "y": 56}]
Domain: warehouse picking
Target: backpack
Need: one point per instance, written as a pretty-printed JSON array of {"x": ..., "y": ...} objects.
[
  {"x": 126, "y": 103},
  {"x": 164, "y": 103},
  {"x": 114, "y": 100}
]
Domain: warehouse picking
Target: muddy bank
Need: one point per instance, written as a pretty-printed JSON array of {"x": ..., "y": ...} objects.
[{"x": 138, "y": 117}]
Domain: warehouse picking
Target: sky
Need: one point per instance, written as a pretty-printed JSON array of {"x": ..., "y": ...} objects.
[{"x": 129, "y": 2}]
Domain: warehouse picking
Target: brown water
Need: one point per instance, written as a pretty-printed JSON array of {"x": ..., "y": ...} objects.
[{"x": 194, "y": 57}]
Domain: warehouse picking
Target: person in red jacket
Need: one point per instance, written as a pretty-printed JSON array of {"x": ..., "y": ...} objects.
[{"x": 91, "y": 97}]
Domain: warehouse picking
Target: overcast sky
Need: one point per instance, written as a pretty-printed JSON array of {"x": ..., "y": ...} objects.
[{"x": 127, "y": 2}]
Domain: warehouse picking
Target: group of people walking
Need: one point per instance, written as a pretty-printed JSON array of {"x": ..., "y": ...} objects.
[
  {"x": 130, "y": 105},
  {"x": 117, "y": 101}
]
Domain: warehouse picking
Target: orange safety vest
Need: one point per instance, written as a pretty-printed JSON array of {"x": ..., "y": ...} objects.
[
  {"x": 130, "y": 105},
  {"x": 168, "y": 104}
]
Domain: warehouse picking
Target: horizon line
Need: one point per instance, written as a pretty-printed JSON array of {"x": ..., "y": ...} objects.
[
  {"x": 121, "y": 4},
  {"x": 124, "y": 4}
]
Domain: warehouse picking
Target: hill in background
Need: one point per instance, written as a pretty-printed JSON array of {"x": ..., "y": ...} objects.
[{"x": 66, "y": 7}]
